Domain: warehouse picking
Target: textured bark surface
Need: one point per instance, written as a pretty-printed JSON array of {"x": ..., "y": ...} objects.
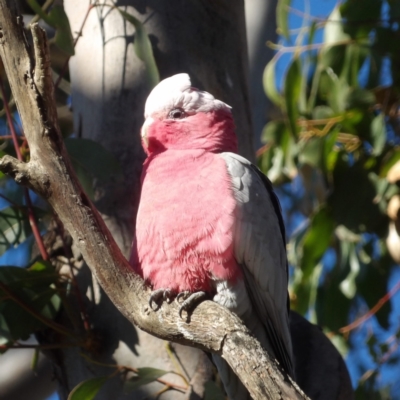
[{"x": 49, "y": 173}]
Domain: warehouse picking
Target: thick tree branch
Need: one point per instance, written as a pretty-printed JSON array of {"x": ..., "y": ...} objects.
[{"x": 49, "y": 172}]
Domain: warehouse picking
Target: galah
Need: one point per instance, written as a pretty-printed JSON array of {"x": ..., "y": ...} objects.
[{"x": 208, "y": 220}]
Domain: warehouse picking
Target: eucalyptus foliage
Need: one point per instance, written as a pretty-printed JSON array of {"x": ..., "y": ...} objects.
[{"x": 338, "y": 139}]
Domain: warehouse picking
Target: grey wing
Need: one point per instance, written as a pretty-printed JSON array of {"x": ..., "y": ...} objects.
[{"x": 260, "y": 249}]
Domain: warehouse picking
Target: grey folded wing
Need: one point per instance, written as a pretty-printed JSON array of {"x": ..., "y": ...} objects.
[{"x": 260, "y": 249}]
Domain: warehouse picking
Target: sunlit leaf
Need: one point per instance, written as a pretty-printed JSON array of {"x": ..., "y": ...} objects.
[
  {"x": 340, "y": 343},
  {"x": 348, "y": 285},
  {"x": 330, "y": 155},
  {"x": 269, "y": 82},
  {"x": 88, "y": 389},
  {"x": 276, "y": 170},
  {"x": 143, "y": 48},
  {"x": 293, "y": 86},
  {"x": 282, "y": 10},
  {"x": 333, "y": 31},
  {"x": 378, "y": 134},
  {"x": 391, "y": 159},
  {"x": 322, "y": 112},
  {"x": 338, "y": 93}
]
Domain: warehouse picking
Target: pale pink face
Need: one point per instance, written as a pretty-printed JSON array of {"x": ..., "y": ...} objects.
[{"x": 181, "y": 117}]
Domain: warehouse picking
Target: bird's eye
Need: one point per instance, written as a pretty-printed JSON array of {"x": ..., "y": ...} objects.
[{"x": 177, "y": 113}]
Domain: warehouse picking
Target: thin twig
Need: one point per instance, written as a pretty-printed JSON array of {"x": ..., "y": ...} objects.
[
  {"x": 31, "y": 214},
  {"x": 36, "y": 346},
  {"x": 48, "y": 322},
  {"x": 372, "y": 311},
  {"x": 123, "y": 368}
]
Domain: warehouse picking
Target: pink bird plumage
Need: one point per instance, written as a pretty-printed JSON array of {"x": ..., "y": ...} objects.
[{"x": 208, "y": 220}]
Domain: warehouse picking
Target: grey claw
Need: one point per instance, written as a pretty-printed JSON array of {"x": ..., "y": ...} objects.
[
  {"x": 167, "y": 296},
  {"x": 157, "y": 295},
  {"x": 182, "y": 295},
  {"x": 192, "y": 301}
]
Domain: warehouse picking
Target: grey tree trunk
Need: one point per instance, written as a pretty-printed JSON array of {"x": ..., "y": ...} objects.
[
  {"x": 205, "y": 39},
  {"x": 261, "y": 28}
]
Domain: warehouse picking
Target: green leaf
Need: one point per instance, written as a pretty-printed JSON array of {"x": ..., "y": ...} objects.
[
  {"x": 144, "y": 376},
  {"x": 338, "y": 93},
  {"x": 391, "y": 159},
  {"x": 269, "y": 83},
  {"x": 13, "y": 230},
  {"x": 333, "y": 57},
  {"x": 322, "y": 112},
  {"x": 88, "y": 389},
  {"x": 330, "y": 155},
  {"x": 378, "y": 134},
  {"x": 91, "y": 160},
  {"x": 348, "y": 285},
  {"x": 33, "y": 287},
  {"x": 316, "y": 240},
  {"x": 213, "y": 392},
  {"x": 340, "y": 343},
  {"x": 63, "y": 38},
  {"x": 333, "y": 31},
  {"x": 278, "y": 156},
  {"x": 38, "y": 10},
  {"x": 57, "y": 18},
  {"x": 360, "y": 98},
  {"x": 282, "y": 11},
  {"x": 143, "y": 49},
  {"x": 312, "y": 152},
  {"x": 85, "y": 179},
  {"x": 293, "y": 86},
  {"x": 273, "y": 132}
]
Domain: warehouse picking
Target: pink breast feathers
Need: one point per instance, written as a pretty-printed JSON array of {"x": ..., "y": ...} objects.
[{"x": 185, "y": 222}]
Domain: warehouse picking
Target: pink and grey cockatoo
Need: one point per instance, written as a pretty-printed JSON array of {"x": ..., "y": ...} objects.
[{"x": 209, "y": 221}]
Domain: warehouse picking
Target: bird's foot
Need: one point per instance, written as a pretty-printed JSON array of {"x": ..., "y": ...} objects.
[
  {"x": 158, "y": 297},
  {"x": 190, "y": 301}
]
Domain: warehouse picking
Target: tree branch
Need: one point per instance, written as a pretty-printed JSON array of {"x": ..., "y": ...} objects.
[{"x": 49, "y": 172}]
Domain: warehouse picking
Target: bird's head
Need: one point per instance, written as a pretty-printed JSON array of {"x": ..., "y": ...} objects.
[{"x": 179, "y": 116}]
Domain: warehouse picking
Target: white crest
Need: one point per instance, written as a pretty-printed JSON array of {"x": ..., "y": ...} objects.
[{"x": 177, "y": 92}]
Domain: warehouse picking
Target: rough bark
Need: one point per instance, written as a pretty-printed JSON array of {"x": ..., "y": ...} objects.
[{"x": 49, "y": 173}]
